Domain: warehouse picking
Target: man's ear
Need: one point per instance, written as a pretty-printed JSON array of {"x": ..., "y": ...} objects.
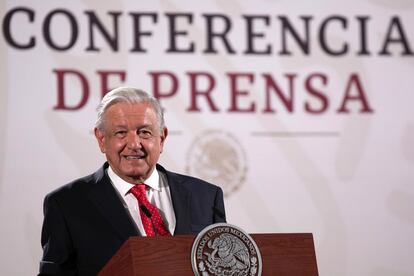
[
  {"x": 163, "y": 137},
  {"x": 100, "y": 137}
]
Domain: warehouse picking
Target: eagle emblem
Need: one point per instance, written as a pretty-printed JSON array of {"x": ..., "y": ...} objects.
[{"x": 225, "y": 251}]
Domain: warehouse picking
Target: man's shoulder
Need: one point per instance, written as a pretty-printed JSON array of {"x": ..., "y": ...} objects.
[{"x": 175, "y": 178}]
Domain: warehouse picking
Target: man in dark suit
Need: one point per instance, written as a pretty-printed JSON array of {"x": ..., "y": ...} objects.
[{"x": 87, "y": 220}]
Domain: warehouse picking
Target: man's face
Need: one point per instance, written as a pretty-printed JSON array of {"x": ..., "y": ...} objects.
[{"x": 131, "y": 140}]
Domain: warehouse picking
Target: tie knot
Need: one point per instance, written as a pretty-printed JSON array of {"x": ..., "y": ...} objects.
[{"x": 139, "y": 190}]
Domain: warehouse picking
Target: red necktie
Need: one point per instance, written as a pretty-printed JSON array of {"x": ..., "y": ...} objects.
[{"x": 157, "y": 223}]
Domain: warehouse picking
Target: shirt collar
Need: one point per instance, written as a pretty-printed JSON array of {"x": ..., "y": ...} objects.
[{"x": 123, "y": 187}]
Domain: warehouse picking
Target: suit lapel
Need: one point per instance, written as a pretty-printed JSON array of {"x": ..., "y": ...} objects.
[
  {"x": 181, "y": 199},
  {"x": 104, "y": 196}
]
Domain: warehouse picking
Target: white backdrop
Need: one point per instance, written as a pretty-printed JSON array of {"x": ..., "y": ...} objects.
[{"x": 347, "y": 177}]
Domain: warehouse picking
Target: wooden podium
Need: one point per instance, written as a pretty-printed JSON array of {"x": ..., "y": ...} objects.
[{"x": 282, "y": 255}]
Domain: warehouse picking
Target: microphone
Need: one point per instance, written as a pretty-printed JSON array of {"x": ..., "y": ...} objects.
[{"x": 147, "y": 213}]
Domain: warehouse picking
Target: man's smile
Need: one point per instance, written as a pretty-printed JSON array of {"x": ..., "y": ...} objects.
[{"x": 134, "y": 157}]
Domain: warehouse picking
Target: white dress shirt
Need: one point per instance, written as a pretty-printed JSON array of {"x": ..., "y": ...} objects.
[{"x": 158, "y": 194}]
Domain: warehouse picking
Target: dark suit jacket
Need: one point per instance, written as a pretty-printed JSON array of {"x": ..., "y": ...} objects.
[{"x": 85, "y": 222}]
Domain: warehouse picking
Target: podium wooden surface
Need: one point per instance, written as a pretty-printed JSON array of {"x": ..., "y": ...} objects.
[{"x": 282, "y": 254}]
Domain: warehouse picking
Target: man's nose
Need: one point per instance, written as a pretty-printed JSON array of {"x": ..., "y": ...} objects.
[{"x": 134, "y": 141}]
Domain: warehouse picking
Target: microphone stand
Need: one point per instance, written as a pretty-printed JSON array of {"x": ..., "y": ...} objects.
[{"x": 147, "y": 213}]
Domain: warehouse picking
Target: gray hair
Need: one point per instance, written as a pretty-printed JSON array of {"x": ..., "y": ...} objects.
[{"x": 128, "y": 95}]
